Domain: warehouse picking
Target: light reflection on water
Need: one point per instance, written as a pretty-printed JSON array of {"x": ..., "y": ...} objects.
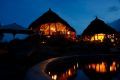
[
  {"x": 65, "y": 75},
  {"x": 78, "y": 72},
  {"x": 103, "y": 67}
]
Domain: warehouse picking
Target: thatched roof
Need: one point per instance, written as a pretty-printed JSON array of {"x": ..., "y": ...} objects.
[
  {"x": 98, "y": 26},
  {"x": 49, "y": 17}
]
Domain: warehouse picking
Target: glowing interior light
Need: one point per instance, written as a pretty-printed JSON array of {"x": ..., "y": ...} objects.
[
  {"x": 53, "y": 29},
  {"x": 102, "y": 67},
  {"x": 113, "y": 66},
  {"x": 48, "y": 36},
  {"x": 77, "y": 65},
  {"x": 112, "y": 40},
  {"x": 98, "y": 37},
  {"x": 56, "y": 29},
  {"x": 49, "y": 73},
  {"x": 68, "y": 32},
  {"x": 97, "y": 67},
  {"x": 41, "y": 29},
  {"x": 54, "y": 77},
  {"x": 43, "y": 42},
  {"x": 69, "y": 72},
  {"x": 89, "y": 66},
  {"x": 74, "y": 67},
  {"x": 114, "y": 63}
]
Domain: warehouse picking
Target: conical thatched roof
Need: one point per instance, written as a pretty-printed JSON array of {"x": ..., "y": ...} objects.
[
  {"x": 98, "y": 26},
  {"x": 49, "y": 17}
]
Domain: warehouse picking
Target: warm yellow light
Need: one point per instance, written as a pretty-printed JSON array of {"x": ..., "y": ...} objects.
[
  {"x": 114, "y": 63},
  {"x": 69, "y": 72},
  {"x": 54, "y": 77},
  {"x": 112, "y": 40},
  {"x": 68, "y": 32},
  {"x": 113, "y": 66},
  {"x": 98, "y": 68},
  {"x": 53, "y": 29},
  {"x": 56, "y": 28},
  {"x": 102, "y": 67},
  {"x": 98, "y": 37}
]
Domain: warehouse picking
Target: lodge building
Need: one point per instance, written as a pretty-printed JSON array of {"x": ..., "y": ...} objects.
[
  {"x": 50, "y": 24},
  {"x": 99, "y": 31}
]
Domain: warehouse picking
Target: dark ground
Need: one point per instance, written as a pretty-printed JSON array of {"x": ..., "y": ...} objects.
[{"x": 18, "y": 56}]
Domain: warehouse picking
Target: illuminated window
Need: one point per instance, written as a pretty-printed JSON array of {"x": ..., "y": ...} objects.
[
  {"x": 68, "y": 33},
  {"x": 98, "y": 37},
  {"x": 112, "y": 40},
  {"x": 57, "y": 28}
]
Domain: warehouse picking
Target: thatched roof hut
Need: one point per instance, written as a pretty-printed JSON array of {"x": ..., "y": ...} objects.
[
  {"x": 98, "y": 26},
  {"x": 99, "y": 31},
  {"x": 50, "y": 23},
  {"x": 49, "y": 17}
]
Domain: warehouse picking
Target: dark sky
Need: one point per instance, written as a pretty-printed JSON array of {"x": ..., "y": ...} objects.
[{"x": 78, "y": 13}]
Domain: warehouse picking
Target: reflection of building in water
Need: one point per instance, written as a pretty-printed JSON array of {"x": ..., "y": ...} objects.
[
  {"x": 100, "y": 32},
  {"x": 100, "y": 67},
  {"x": 103, "y": 67},
  {"x": 50, "y": 24},
  {"x": 64, "y": 75}
]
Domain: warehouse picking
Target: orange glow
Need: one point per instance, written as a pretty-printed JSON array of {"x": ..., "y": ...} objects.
[
  {"x": 102, "y": 67},
  {"x": 97, "y": 68},
  {"x": 93, "y": 66},
  {"x": 113, "y": 66},
  {"x": 69, "y": 72},
  {"x": 58, "y": 28},
  {"x": 52, "y": 29}
]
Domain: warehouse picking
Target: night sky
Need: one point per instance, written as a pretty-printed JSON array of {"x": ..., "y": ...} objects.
[{"x": 78, "y": 13}]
